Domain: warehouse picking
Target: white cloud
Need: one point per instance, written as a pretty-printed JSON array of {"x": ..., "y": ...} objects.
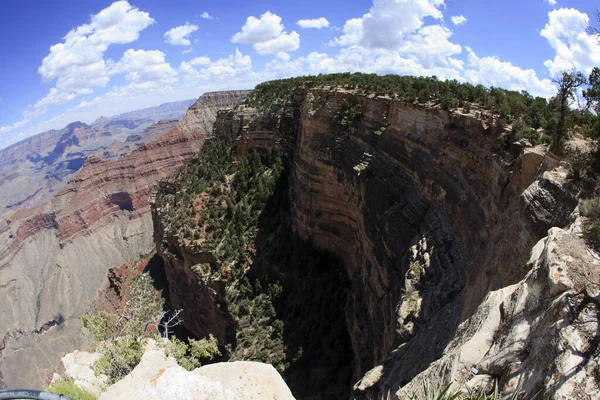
[
  {"x": 206, "y": 15},
  {"x": 77, "y": 63},
  {"x": 352, "y": 33},
  {"x": 236, "y": 68},
  {"x": 490, "y": 71},
  {"x": 141, "y": 66},
  {"x": 282, "y": 43},
  {"x": 267, "y": 35},
  {"x": 257, "y": 30},
  {"x": 202, "y": 60},
  {"x": 317, "y": 23},
  {"x": 574, "y": 47},
  {"x": 16, "y": 125},
  {"x": 178, "y": 36},
  {"x": 551, "y": 2},
  {"x": 389, "y": 22},
  {"x": 459, "y": 20},
  {"x": 392, "y": 38}
]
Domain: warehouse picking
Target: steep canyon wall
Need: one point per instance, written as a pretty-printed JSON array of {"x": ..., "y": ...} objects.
[{"x": 424, "y": 207}]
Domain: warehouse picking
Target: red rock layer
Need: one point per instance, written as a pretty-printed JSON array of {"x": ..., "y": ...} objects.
[{"x": 104, "y": 187}]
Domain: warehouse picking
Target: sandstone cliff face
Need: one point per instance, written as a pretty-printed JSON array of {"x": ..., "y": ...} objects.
[
  {"x": 426, "y": 212},
  {"x": 54, "y": 257}
]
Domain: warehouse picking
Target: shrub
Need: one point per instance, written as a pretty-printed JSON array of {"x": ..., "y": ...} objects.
[
  {"x": 442, "y": 391},
  {"x": 190, "y": 355},
  {"x": 590, "y": 208},
  {"x": 119, "y": 336},
  {"x": 70, "y": 389},
  {"x": 579, "y": 162}
]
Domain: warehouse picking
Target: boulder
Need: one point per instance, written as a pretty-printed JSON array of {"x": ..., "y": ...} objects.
[
  {"x": 550, "y": 200},
  {"x": 248, "y": 380},
  {"x": 78, "y": 368},
  {"x": 159, "y": 377}
]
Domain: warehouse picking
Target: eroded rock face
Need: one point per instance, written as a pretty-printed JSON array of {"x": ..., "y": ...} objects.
[
  {"x": 54, "y": 257},
  {"x": 420, "y": 204},
  {"x": 203, "y": 307},
  {"x": 539, "y": 335},
  {"x": 549, "y": 200}
]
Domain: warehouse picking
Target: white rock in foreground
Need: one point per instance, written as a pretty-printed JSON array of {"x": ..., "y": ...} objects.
[
  {"x": 248, "y": 380},
  {"x": 159, "y": 377},
  {"x": 78, "y": 368}
]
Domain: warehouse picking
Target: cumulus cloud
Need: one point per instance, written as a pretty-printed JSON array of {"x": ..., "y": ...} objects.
[
  {"x": 178, "y": 36},
  {"x": 317, "y": 23},
  {"x": 389, "y": 22},
  {"x": 394, "y": 36},
  {"x": 77, "y": 64},
  {"x": 234, "y": 68},
  {"x": 574, "y": 47},
  {"x": 206, "y": 15},
  {"x": 257, "y": 30},
  {"x": 267, "y": 35},
  {"x": 282, "y": 43},
  {"x": 140, "y": 66},
  {"x": 490, "y": 71},
  {"x": 551, "y": 2},
  {"x": 458, "y": 20},
  {"x": 202, "y": 60}
]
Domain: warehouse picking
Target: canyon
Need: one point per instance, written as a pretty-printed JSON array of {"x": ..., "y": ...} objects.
[
  {"x": 34, "y": 170},
  {"x": 55, "y": 256},
  {"x": 433, "y": 234},
  {"x": 377, "y": 246}
]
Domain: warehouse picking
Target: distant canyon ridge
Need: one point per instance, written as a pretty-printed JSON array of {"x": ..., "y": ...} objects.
[
  {"x": 35, "y": 169},
  {"x": 74, "y": 203}
]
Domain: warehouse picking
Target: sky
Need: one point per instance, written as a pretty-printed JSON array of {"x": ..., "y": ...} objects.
[{"x": 70, "y": 60}]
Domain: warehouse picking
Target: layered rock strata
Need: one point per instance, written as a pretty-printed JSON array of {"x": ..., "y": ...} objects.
[
  {"x": 425, "y": 208},
  {"x": 54, "y": 257}
]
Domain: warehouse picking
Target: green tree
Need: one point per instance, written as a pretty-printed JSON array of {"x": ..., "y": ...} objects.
[{"x": 567, "y": 84}]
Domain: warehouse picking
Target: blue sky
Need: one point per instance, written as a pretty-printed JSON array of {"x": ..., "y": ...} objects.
[{"x": 69, "y": 60}]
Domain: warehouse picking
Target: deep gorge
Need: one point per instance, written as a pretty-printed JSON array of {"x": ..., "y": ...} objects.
[{"x": 393, "y": 221}]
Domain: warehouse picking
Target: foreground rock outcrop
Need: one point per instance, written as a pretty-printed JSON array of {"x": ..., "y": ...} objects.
[
  {"x": 539, "y": 336},
  {"x": 431, "y": 218},
  {"x": 159, "y": 377},
  {"x": 55, "y": 257}
]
